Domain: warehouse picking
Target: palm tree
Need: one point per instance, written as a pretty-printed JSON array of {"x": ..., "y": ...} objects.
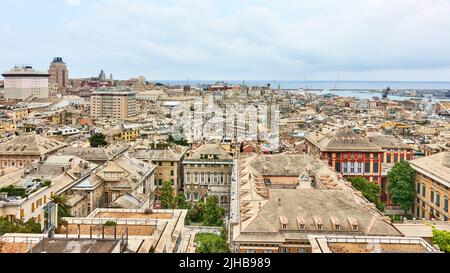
[{"x": 63, "y": 207}]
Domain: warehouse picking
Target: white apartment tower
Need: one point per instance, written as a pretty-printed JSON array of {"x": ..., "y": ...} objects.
[{"x": 23, "y": 82}]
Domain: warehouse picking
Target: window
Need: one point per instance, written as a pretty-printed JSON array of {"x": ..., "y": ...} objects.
[
  {"x": 395, "y": 158},
  {"x": 172, "y": 163},
  {"x": 188, "y": 196},
  {"x": 338, "y": 167},
  {"x": 172, "y": 173},
  {"x": 418, "y": 188},
  {"x": 432, "y": 196},
  {"x": 388, "y": 158},
  {"x": 446, "y": 204},
  {"x": 438, "y": 200},
  {"x": 32, "y": 207},
  {"x": 172, "y": 181},
  {"x": 284, "y": 250},
  {"x": 196, "y": 196},
  {"x": 188, "y": 178},
  {"x": 301, "y": 250},
  {"x": 423, "y": 190},
  {"x": 367, "y": 167},
  {"x": 375, "y": 167},
  {"x": 359, "y": 167},
  {"x": 160, "y": 182},
  {"x": 319, "y": 226}
]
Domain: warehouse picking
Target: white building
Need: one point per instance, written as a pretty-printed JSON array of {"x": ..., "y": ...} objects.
[{"x": 23, "y": 82}]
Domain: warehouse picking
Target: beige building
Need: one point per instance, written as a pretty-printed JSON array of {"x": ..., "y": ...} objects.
[
  {"x": 124, "y": 182},
  {"x": 432, "y": 186},
  {"x": 24, "y": 149},
  {"x": 24, "y": 82},
  {"x": 168, "y": 161},
  {"x": 208, "y": 171},
  {"x": 40, "y": 182},
  {"x": 147, "y": 230},
  {"x": 113, "y": 103},
  {"x": 283, "y": 199},
  {"x": 59, "y": 75}
]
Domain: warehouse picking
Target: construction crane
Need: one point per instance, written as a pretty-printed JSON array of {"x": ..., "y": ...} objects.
[
  {"x": 337, "y": 80},
  {"x": 386, "y": 92}
]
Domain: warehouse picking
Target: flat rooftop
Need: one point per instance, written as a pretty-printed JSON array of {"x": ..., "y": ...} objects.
[
  {"x": 133, "y": 215},
  {"x": 75, "y": 246},
  {"x": 11, "y": 247},
  {"x": 369, "y": 244},
  {"x": 375, "y": 248}
]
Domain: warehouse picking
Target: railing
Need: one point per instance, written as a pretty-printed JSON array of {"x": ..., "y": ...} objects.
[
  {"x": 118, "y": 221},
  {"x": 15, "y": 238},
  {"x": 203, "y": 229},
  {"x": 387, "y": 240},
  {"x": 415, "y": 222}
]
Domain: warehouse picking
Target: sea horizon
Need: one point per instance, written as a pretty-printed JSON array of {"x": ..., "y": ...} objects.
[{"x": 325, "y": 84}]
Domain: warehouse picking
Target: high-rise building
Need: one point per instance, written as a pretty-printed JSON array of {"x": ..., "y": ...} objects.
[
  {"x": 23, "y": 82},
  {"x": 113, "y": 103},
  {"x": 59, "y": 75}
]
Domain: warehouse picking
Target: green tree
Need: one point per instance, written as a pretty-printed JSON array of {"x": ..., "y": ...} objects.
[
  {"x": 110, "y": 224},
  {"x": 213, "y": 214},
  {"x": 211, "y": 243},
  {"x": 370, "y": 191},
  {"x": 442, "y": 239},
  {"x": 181, "y": 142},
  {"x": 98, "y": 140},
  {"x": 181, "y": 201},
  {"x": 19, "y": 226},
  {"x": 401, "y": 185},
  {"x": 167, "y": 198},
  {"x": 195, "y": 213},
  {"x": 14, "y": 191},
  {"x": 63, "y": 207}
]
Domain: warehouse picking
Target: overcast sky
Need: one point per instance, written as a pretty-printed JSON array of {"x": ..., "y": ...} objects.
[{"x": 231, "y": 39}]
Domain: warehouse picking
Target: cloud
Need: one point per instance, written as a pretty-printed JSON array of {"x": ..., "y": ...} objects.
[
  {"x": 255, "y": 39},
  {"x": 73, "y": 2}
]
